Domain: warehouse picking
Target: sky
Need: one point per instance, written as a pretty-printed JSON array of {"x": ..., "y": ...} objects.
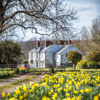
[{"x": 87, "y": 10}]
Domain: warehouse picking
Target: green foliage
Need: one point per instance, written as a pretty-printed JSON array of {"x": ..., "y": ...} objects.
[
  {"x": 74, "y": 56},
  {"x": 9, "y": 52},
  {"x": 25, "y": 62},
  {"x": 24, "y": 70},
  {"x": 85, "y": 64},
  {"x": 94, "y": 56},
  {"x": 91, "y": 64},
  {"x": 81, "y": 64},
  {"x": 4, "y": 74}
]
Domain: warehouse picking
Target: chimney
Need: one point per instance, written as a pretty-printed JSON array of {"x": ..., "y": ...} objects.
[
  {"x": 69, "y": 42},
  {"x": 61, "y": 42},
  {"x": 38, "y": 43},
  {"x": 47, "y": 42}
]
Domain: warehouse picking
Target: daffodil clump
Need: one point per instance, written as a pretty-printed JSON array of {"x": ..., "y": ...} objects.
[
  {"x": 6, "y": 73},
  {"x": 60, "y": 86}
]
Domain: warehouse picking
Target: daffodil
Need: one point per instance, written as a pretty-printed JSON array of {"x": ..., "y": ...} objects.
[
  {"x": 67, "y": 94},
  {"x": 3, "y": 94}
]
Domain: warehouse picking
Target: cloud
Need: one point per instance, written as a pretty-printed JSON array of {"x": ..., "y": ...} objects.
[
  {"x": 84, "y": 9},
  {"x": 87, "y": 10},
  {"x": 95, "y": 2}
]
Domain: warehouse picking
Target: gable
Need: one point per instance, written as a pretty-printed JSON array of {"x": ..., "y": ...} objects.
[{"x": 69, "y": 48}]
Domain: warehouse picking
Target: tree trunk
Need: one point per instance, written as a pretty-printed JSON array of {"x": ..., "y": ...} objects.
[
  {"x": 1, "y": 16},
  {"x": 17, "y": 70},
  {"x": 74, "y": 66},
  {"x": 52, "y": 70}
]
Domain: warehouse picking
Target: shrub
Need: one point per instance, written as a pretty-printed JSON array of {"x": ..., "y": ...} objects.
[
  {"x": 85, "y": 64},
  {"x": 74, "y": 56},
  {"x": 81, "y": 64},
  {"x": 94, "y": 56},
  {"x": 91, "y": 64},
  {"x": 25, "y": 62},
  {"x": 9, "y": 52}
]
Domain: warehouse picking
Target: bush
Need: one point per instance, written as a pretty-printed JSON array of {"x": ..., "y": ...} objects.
[
  {"x": 91, "y": 64},
  {"x": 74, "y": 56},
  {"x": 9, "y": 52},
  {"x": 81, "y": 64},
  {"x": 94, "y": 56},
  {"x": 25, "y": 62},
  {"x": 85, "y": 64}
]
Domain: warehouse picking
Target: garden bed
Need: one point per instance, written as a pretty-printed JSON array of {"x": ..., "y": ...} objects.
[
  {"x": 5, "y": 74},
  {"x": 60, "y": 86}
]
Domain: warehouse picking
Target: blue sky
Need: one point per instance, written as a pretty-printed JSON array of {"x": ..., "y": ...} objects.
[{"x": 87, "y": 10}]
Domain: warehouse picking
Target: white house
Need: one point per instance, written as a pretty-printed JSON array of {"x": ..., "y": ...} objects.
[{"x": 39, "y": 57}]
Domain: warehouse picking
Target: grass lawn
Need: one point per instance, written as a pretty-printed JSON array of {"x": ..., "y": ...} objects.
[
  {"x": 67, "y": 68},
  {"x": 37, "y": 69},
  {"x": 70, "y": 68},
  {"x": 5, "y": 78},
  {"x": 90, "y": 69}
]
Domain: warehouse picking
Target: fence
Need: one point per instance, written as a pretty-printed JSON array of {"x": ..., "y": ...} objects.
[{"x": 10, "y": 66}]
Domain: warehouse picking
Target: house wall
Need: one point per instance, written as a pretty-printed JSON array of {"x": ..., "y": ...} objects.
[
  {"x": 48, "y": 58},
  {"x": 42, "y": 60},
  {"x": 42, "y": 56},
  {"x": 62, "y": 55},
  {"x": 30, "y": 59},
  {"x": 49, "y": 54},
  {"x": 57, "y": 59},
  {"x": 34, "y": 59},
  {"x": 61, "y": 58}
]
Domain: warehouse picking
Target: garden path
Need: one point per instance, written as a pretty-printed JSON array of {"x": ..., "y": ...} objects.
[
  {"x": 8, "y": 90},
  {"x": 15, "y": 78}
]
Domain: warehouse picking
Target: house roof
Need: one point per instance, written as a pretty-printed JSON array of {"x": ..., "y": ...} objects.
[
  {"x": 44, "y": 48},
  {"x": 38, "y": 49},
  {"x": 69, "y": 47},
  {"x": 58, "y": 47},
  {"x": 62, "y": 49},
  {"x": 33, "y": 50}
]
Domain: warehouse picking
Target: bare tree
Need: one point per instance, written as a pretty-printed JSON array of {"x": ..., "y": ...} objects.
[
  {"x": 95, "y": 32},
  {"x": 90, "y": 38},
  {"x": 21, "y": 15}
]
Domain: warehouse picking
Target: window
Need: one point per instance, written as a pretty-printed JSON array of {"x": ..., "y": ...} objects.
[{"x": 31, "y": 61}]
